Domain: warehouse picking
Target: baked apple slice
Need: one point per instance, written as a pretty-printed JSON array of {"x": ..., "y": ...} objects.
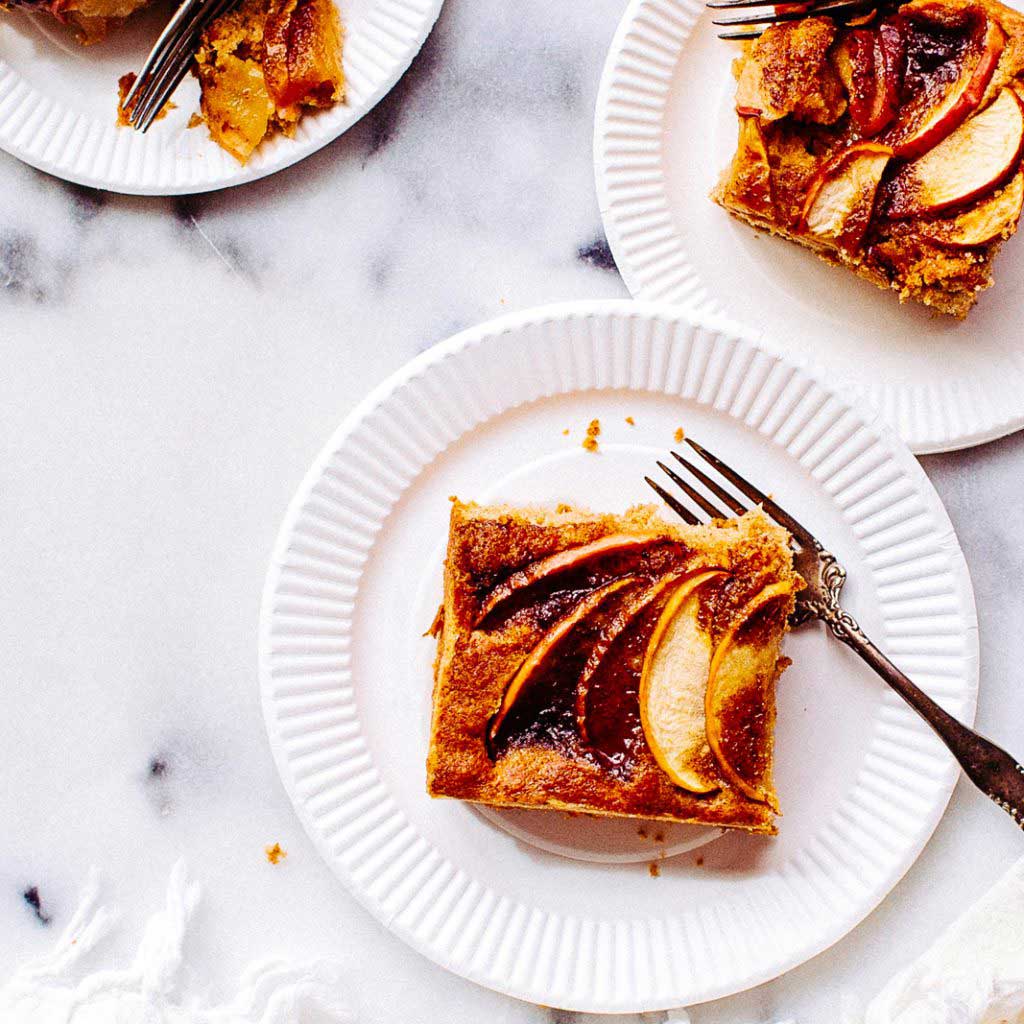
[
  {"x": 633, "y": 605},
  {"x": 841, "y": 198},
  {"x": 751, "y": 184},
  {"x": 991, "y": 218},
  {"x": 302, "y": 53},
  {"x": 940, "y": 108},
  {"x": 870, "y": 64},
  {"x": 975, "y": 159},
  {"x": 741, "y": 674},
  {"x": 563, "y": 561},
  {"x": 673, "y": 682},
  {"x": 546, "y": 648}
]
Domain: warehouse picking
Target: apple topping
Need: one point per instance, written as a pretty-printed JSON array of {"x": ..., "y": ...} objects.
[
  {"x": 563, "y": 561},
  {"x": 673, "y": 681},
  {"x": 974, "y": 160},
  {"x": 741, "y": 676},
  {"x": 633, "y": 605},
  {"x": 841, "y": 198},
  {"x": 870, "y": 64},
  {"x": 546, "y": 648},
  {"x": 301, "y": 48},
  {"x": 945, "y": 93},
  {"x": 750, "y": 185},
  {"x": 991, "y": 218}
]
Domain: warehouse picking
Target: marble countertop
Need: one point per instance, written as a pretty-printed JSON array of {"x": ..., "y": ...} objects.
[{"x": 172, "y": 366}]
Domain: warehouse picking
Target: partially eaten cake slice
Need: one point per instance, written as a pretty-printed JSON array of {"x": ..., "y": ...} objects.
[
  {"x": 616, "y": 665},
  {"x": 892, "y": 147},
  {"x": 263, "y": 65}
]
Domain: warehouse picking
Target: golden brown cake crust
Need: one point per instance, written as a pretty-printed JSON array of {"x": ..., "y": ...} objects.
[{"x": 473, "y": 665}]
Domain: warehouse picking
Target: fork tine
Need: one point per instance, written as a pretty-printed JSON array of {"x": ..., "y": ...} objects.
[
  {"x": 709, "y": 508},
  {"x": 712, "y": 485},
  {"x": 171, "y": 84},
  {"x": 674, "y": 503},
  {"x": 752, "y": 34},
  {"x": 779, "y": 17},
  {"x": 802, "y": 534},
  {"x": 164, "y": 40},
  {"x": 174, "y": 62}
]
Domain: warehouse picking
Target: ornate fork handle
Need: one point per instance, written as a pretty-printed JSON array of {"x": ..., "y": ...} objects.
[{"x": 988, "y": 766}]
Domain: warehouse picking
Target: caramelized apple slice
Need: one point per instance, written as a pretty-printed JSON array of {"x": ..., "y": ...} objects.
[
  {"x": 632, "y": 606},
  {"x": 750, "y": 186},
  {"x": 979, "y": 155},
  {"x": 841, "y": 198},
  {"x": 302, "y": 53},
  {"x": 563, "y": 561},
  {"x": 545, "y": 648},
  {"x": 870, "y": 65},
  {"x": 741, "y": 674},
  {"x": 673, "y": 681},
  {"x": 936, "y": 112},
  {"x": 991, "y": 218}
]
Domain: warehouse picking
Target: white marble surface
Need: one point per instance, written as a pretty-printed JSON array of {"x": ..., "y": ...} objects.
[{"x": 171, "y": 367}]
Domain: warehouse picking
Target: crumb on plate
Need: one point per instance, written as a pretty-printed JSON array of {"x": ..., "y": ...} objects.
[
  {"x": 275, "y": 854},
  {"x": 590, "y": 442}
]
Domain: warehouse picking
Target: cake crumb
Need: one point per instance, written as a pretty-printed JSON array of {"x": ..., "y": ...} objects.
[
  {"x": 565, "y": 433},
  {"x": 659, "y": 837},
  {"x": 275, "y": 854},
  {"x": 679, "y": 435},
  {"x": 654, "y": 869},
  {"x": 563, "y": 507},
  {"x": 642, "y": 832},
  {"x": 631, "y": 421},
  {"x": 590, "y": 442},
  {"x": 699, "y": 862}
]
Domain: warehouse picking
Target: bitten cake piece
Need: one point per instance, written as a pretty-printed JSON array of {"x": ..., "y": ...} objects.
[
  {"x": 892, "y": 147},
  {"x": 617, "y": 665}
]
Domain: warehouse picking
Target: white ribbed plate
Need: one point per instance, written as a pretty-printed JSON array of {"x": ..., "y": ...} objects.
[
  {"x": 58, "y": 101},
  {"x": 345, "y": 672},
  {"x": 664, "y": 130}
]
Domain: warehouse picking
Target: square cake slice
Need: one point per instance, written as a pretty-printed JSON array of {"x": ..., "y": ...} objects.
[
  {"x": 891, "y": 147},
  {"x": 611, "y": 664}
]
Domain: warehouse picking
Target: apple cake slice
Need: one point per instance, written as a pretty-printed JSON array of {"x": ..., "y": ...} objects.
[
  {"x": 892, "y": 147},
  {"x": 616, "y": 665}
]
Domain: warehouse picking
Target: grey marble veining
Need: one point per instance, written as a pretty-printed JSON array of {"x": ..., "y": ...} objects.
[{"x": 170, "y": 368}]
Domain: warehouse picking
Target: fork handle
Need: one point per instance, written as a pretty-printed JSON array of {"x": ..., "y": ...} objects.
[{"x": 998, "y": 775}]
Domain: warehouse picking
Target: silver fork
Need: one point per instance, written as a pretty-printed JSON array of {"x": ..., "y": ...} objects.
[
  {"x": 990, "y": 768},
  {"x": 776, "y": 14},
  {"x": 169, "y": 60}
]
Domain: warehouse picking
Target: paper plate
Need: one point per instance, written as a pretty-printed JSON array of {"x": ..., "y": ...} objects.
[
  {"x": 664, "y": 130},
  {"x": 567, "y": 911},
  {"x": 58, "y": 101}
]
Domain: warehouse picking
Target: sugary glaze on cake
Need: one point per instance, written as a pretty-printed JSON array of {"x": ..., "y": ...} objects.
[
  {"x": 866, "y": 174},
  {"x": 563, "y": 745}
]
